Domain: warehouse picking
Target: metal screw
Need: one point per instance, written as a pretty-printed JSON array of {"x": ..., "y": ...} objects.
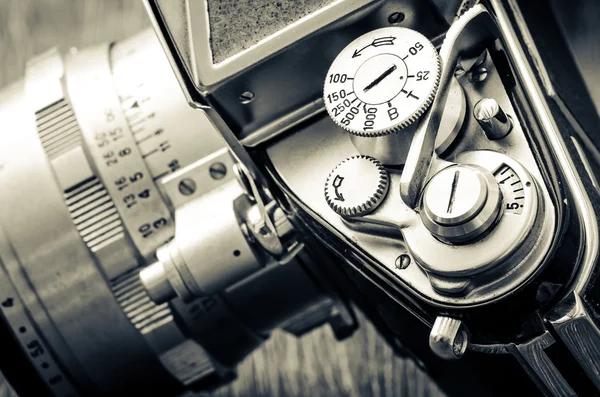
[
  {"x": 396, "y": 17},
  {"x": 402, "y": 262},
  {"x": 459, "y": 72},
  {"x": 246, "y": 97},
  {"x": 481, "y": 58},
  {"x": 218, "y": 171},
  {"x": 187, "y": 187},
  {"x": 460, "y": 344},
  {"x": 8, "y": 302},
  {"x": 479, "y": 75}
]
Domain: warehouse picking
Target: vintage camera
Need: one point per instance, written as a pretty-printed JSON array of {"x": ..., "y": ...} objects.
[{"x": 431, "y": 163}]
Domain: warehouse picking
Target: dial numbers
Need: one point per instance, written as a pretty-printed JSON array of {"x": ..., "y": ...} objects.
[
  {"x": 513, "y": 190},
  {"x": 381, "y": 82}
]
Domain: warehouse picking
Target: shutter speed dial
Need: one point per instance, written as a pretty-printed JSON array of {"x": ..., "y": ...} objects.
[{"x": 382, "y": 82}]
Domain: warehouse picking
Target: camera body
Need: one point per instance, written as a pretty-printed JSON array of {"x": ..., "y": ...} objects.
[
  {"x": 508, "y": 290},
  {"x": 430, "y": 163}
]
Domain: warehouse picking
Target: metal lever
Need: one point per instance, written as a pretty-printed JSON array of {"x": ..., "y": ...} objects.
[
  {"x": 254, "y": 178},
  {"x": 467, "y": 37}
]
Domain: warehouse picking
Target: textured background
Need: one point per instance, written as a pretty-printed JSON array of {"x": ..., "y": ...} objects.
[{"x": 315, "y": 365}]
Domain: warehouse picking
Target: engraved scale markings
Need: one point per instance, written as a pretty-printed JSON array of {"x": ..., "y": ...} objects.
[
  {"x": 61, "y": 135},
  {"x": 145, "y": 217},
  {"x": 19, "y": 321},
  {"x": 393, "y": 72},
  {"x": 151, "y": 138},
  {"x": 513, "y": 193}
]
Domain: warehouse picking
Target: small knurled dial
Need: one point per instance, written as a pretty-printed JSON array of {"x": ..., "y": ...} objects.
[
  {"x": 356, "y": 186},
  {"x": 382, "y": 82}
]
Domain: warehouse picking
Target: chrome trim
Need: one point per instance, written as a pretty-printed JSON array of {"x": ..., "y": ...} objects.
[
  {"x": 206, "y": 73},
  {"x": 583, "y": 205},
  {"x": 586, "y": 163},
  {"x": 285, "y": 123},
  {"x": 458, "y": 42},
  {"x": 540, "y": 368},
  {"x": 576, "y": 329},
  {"x": 581, "y": 336},
  {"x": 324, "y": 145},
  {"x": 199, "y": 173},
  {"x": 447, "y": 338}
]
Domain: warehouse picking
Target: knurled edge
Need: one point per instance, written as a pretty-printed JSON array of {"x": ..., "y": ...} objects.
[
  {"x": 58, "y": 128},
  {"x": 371, "y": 201},
  {"x": 137, "y": 305},
  {"x": 148, "y": 317},
  {"x": 56, "y": 123},
  {"x": 59, "y": 132},
  {"x": 97, "y": 216},
  {"x": 413, "y": 117}
]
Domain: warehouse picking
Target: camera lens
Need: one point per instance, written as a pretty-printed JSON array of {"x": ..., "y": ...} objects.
[{"x": 94, "y": 148}]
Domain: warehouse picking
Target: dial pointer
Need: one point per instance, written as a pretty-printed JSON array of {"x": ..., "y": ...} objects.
[{"x": 380, "y": 78}]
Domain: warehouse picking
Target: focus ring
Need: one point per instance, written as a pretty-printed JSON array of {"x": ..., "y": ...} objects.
[{"x": 91, "y": 208}]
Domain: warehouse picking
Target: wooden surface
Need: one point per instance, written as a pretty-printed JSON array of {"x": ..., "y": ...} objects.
[{"x": 315, "y": 365}]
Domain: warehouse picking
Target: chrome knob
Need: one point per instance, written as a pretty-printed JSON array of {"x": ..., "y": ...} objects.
[
  {"x": 492, "y": 119},
  {"x": 356, "y": 186},
  {"x": 460, "y": 203}
]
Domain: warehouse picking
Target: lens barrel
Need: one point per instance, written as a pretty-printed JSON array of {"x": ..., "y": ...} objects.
[{"x": 98, "y": 153}]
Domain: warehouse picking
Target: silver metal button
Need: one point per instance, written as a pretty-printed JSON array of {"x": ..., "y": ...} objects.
[
  {"x": 490, "y": 116},
  {"x": 155, "y": 281},
  {"x": 456, "y": 196},
  {"x": 460, "y": 203},
  {"x": 447, "y": 339}
]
